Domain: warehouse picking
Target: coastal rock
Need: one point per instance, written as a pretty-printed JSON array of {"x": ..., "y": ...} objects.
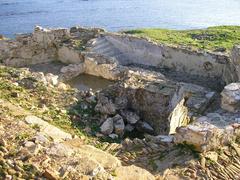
[
  {"x": 231, "y": 97},
  {"x": 107, "y": 127}
]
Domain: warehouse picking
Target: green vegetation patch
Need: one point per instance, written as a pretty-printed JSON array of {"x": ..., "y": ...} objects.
[{"x": 219, "y": 38}]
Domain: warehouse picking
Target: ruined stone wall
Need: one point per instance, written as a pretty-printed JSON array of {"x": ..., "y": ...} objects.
[
  {"x": 143, "y": 52},
  {"x": 38, "y": 47}
]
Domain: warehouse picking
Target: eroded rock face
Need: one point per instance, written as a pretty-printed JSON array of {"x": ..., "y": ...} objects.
[{"x": 231, "y": 97}]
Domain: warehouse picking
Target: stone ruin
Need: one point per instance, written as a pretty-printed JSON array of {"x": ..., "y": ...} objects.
[{"x": 159, "y": 89}]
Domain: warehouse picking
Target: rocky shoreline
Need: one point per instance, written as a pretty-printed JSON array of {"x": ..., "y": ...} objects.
[{"x": 157, "y": 111}]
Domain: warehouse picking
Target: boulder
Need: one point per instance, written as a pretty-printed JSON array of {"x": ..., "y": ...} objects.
[
  {"x": 107, "y": 127},
  {"x": 100, "y": 66},
  {"x": 131, "y": 117},
  {"x": 105, "y": 105},
  {"x": 129, "y": 128},
  {"x": 144, "y": 127},
  {"x": 72, "y": 70},
  {"x": 231, "y": 97},
  {"x": 118, "y": 124}
]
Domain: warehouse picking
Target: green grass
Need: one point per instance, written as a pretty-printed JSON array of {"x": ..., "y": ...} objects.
[{"x": 212, "y": 38}]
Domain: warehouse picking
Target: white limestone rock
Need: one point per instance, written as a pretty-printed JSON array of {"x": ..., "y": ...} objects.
[
  {"x": 207, "y": 134},
  {"x": 231, "y": 97},
  {"x": 72, "y": 70},
  {"x": 100, "y": 66},
  {"x": 47, "y": 129},
  {"x": 69, "y": 55}
]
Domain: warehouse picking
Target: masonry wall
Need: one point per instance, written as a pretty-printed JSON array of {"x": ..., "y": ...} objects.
[{"x": 142, "y": 52}]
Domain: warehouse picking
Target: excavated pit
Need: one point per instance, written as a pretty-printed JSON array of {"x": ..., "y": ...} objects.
[
  {"x": 165, "y": 86},
  {"x": 83, "y": 82}
]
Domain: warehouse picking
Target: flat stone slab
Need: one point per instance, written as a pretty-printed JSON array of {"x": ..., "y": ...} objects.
[
  {"x": 133, "y": 173},
  {"x": 55, "y": 133}
]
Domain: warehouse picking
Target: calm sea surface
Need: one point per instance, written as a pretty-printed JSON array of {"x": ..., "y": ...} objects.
[{"x": 17, "y": 16}]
